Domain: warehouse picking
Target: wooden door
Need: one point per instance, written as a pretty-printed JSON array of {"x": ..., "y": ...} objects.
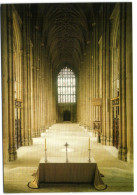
[{"x": 66, "y": 115}]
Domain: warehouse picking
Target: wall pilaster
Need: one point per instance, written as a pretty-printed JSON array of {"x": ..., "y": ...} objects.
[
  {"x": 5, "y": 127},
  {"x": 12, "y": 148}
]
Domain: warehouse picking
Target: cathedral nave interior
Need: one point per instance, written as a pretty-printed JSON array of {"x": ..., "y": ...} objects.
[{"x": 67, "y": 78}]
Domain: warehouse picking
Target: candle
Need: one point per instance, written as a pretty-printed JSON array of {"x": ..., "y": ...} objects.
[
  {"x": 45, "y": 144},
  {"x": 89, "y": 143}
]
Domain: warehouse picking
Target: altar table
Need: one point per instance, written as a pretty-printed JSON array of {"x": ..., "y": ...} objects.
[{"x": 72, "y": 172}]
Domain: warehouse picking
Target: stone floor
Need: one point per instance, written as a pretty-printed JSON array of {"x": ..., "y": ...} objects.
[{"x": 17, "y": 174}]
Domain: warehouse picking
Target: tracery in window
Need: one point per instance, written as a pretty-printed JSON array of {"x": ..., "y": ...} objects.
[{"x": 66, "y": 86}]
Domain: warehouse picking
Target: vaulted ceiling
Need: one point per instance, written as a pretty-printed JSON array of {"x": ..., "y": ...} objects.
[{"x": 65, "y": 31}]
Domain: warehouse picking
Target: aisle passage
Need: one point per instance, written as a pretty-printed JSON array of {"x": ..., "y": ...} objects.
[
  {"x": 72, "y": 134},
  {"x": 118, "y": 174}
]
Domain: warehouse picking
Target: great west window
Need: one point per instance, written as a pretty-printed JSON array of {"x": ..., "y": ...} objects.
[{"x": 66, "y": 86}]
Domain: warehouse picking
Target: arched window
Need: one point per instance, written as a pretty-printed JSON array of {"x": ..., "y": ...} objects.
[{"x": 66, "y": 86}]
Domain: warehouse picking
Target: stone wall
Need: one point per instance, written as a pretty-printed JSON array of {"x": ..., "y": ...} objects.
[
  {"x": 108, "y": 54},
  {"x": 61, "y": 108},
  {"x": 27, "y": 80}
]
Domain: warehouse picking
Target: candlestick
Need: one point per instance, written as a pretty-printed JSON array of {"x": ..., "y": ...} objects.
[
  {"x": 89, "y": 152},
  {"x": 45, "y": 145},
  {"x": 45, "y": 155},
  {"x": 89, "y": 156},
  {"x": 66, "y": 145}
]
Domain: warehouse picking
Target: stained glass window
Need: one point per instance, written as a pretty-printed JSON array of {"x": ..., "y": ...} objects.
[{"x": 66, "y": 86}]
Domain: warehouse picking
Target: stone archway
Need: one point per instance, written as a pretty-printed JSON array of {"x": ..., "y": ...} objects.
[{"x": 66, "y": 115}]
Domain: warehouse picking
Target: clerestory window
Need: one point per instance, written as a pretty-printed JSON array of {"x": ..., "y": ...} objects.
[{"x": 66, "y": 86}]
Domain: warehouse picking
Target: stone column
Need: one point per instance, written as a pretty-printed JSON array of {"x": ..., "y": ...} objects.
[
  {"x": 111, "y": 83},
  {"x": 29, "y": 93},
  {"x": 32, "y": 101},
  {"x": 114, "y": 62},
  {"x": 129, "y": 82},
  {"x": 29, "y": 52},
  {"x": 45, "y": 91},
  {"x": 78, "y": 97},
  {"x": 54, "y": 81},
  {"x": 100, "y": 77},
  {"x": 80, "y": 87},
  {"x": 94, "y": 69},
  {"x": 88, "y": 84},
  {"x": 81, "y": 91},
  {"x": 45, "y": 62},
  {"x": 20, "y": 74},
  {"x": 42, "y": 86},
  {"x": 32, "y": 90},
  {"x": 35, "y": 82},
  {"x": 38, "y": 123},
  {"x": 25, "y": 80},
  {"x": 22, "y": 105},
  {"x": 40, "y": 91},
  {"x": 87, "y": 91},
  {"x": 85, "y": 88},
  {"x": 51, "y": 100},
  {"x": 90, "y": 87},
  {"x": 12, "y": 148},
  {"x": 83, "y": 94},
  {"x": 47, "y": 95},
  {"x": 103, "y": 139},
  {"x": 92, "y": 74},
  {"x": 5, "y": 127},
  {"x": 97, "y": 68},
  {"x": 92, "y": 80},
  {"x": 34, "y": 97},
  {"x": 107, "y": 80},
  {"x": 123, "y": 144}
]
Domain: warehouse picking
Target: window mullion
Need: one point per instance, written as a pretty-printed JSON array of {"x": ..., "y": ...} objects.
[{"x": 66, "y": 86}]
